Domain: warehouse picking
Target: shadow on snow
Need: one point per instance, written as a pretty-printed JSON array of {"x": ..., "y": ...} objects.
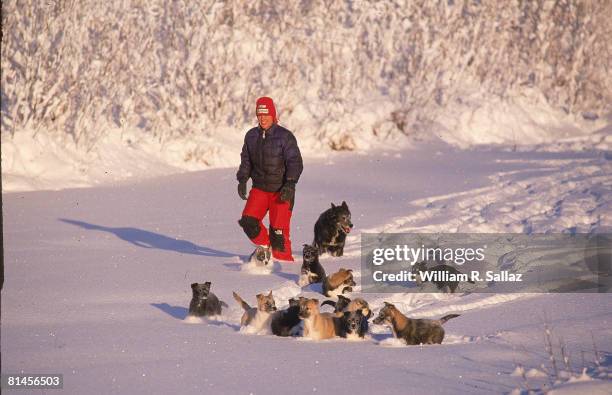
[{"x": 145, "y": 239}]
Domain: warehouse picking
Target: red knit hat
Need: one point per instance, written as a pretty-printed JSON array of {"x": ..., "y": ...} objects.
[{"x": 265, "y": 106}]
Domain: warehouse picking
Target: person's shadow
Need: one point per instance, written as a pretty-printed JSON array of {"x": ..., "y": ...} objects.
[{"x": 146, "y": 239}]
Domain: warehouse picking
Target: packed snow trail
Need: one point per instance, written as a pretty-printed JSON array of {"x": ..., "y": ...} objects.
[{"x": 97, "y": 280}]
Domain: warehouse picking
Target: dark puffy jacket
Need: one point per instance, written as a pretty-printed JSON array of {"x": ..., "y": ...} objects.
[{"x": 270, "y": 158}]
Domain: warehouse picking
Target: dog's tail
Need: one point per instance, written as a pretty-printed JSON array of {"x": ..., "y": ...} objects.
[
  {"x": 329, "y": 302},
  {"x": 222, "y": 303},
  {"x": 448, "y": 317},
  {"x": 242, "y": 303}
]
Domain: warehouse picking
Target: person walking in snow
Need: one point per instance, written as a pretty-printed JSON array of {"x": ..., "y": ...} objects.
[{"x": 271, "y": 158}]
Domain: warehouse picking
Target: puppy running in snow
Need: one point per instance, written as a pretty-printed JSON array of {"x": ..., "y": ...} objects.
[
  {"x": 331, "y": 229},
  {"x": 257, "y": 319},
  {"x": 317, "y": 325},
  {"x": 203, "y": 302},
  {"x": 262, "y": 256},
  {"x": 413, "y": 331},
  {"x": 312, "y": 270},
  {"x": 338, "y": 283}
]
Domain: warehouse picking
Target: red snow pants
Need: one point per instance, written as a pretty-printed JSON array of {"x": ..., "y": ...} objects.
[{"x": 257, "y": 205}]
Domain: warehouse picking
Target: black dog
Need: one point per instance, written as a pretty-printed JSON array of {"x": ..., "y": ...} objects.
[
  {"x": 284, "y": 322},
  {"x": 352, "y": 316},
  {"x": 331, "y": 229},
  {"x": 204, "y": 303},
  {"x": 353, "y": 325},
  {"x": 312, "y": 271}
]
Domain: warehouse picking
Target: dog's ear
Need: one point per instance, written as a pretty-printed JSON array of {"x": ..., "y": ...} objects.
[
  {"x": 344, "y": 204},
  {"x": 259, "y": 296},
  {"x": 194, "y": 285},
  {"x": 388, "y": 304},
  {"x": 207, "y": 284},
  {"x": 270, "y": 294},
  {"x": 333, "y": 205}
]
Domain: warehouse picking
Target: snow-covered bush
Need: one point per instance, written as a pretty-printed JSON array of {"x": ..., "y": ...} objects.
[
  {"x": 560, "y": 375},
  {"x": 345, "y": 73}
]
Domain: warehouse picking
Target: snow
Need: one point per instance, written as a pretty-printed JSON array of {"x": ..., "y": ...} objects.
[
  {"x": 595, "y": 387},
  {"x": 115, "y": 91},
  {"x": 491, "y": 120},
  {"x": 39, "y": 161},
  {"x": 97, "y": 279},
  {"x": 424, "y": 116}
]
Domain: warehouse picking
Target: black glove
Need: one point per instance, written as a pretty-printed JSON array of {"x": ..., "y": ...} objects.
[
  {"x": 242, "y": 190},
  {"x": 287, "y": 192}
]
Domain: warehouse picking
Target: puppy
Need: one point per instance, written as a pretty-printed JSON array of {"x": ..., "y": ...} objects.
[
  {"x": 262, "y": 256},
  {"x": 344, "y": 304},
  {"x": 257, "y": 319},
  {"x": 413, "y": 331},
  {"x": 338, "y": 283},
  {"x": 353, "y": 315},
  {"x": 440, "y": 284},
  {"x": 286, "y": 322},
  {"x": 353, "y": 325},
  {"x": 203, "y": 302},
  {"x": 312, "y": 270},
  {"x": 331, "y": 229},
  {"x": 317, "y": 325}
]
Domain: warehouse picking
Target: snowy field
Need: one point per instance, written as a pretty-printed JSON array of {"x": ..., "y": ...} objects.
[
  {"x": 122, "y": 124},
  {"x": 97, "y": 279}
]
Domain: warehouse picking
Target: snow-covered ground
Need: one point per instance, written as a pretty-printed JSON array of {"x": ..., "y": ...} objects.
[
  {"x": 424, "y": 116},
  {"x": 97, "y": 279}
]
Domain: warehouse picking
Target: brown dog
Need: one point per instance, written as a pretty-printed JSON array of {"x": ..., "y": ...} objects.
[
  {"x": 317, "y": 325},
  {"x": 259, "y": 316},
  {"x": 338, "y": 283},
  {"x": 413, "y": 331}
]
